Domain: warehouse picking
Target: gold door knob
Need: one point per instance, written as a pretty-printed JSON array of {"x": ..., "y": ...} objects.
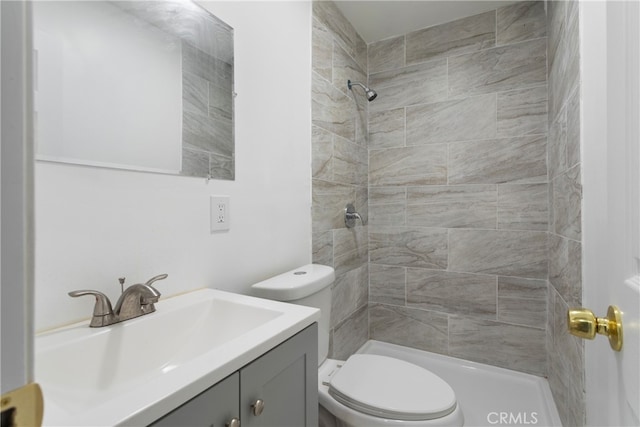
[{"x": 584, "y": 324}]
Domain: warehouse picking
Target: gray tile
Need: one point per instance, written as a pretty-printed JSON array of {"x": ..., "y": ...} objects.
[
  {"x": 221, "y": 100},
  {"x": 386, "y": 54},
  {"x": 410, "y": 327},
  {"x": 195, "y": 162},
  {"x": 349, "y": 293},
  {"x": 386, "y": 129},
  {"x": 387, "y": 284},
  {"x": 556, "y": 26},
  {"x": 331, "y": 109},
  {"x": 350, "y": 334},
  {"x": 456, "y": 120},
  {"x": 565, "y": 268},
  {"x": 453, "y": 206},
  {"x": 456, "y": 293},
  {"x": 322, "y": 248},
  {"x": 345, "y": 68},
  {"x": 523, "y": 206},
  {"x": 517, "y": 287},
  {"x": 515, "y": 66},
  {"x": 362, "y": 204},
  {"x": 409, "y": 247},
  {"x": 498, "y": 344},
  {"x": 350, "y": 247},
  {"x": 221, "y": 167},
  {"x": 464, "y": 35},
  {"x": 558, "y": 145},
  {"x": 349, "y": 162},
  {"x": 523, "y": 112},
  {"x": 392, "y": 214},
  {"x": 521, "y": 21},
  {"x": 322, "y": 154},
  {"x": 567, "y": 204},
  {"x": 416, "y": 84},
  {"x": 328, "y": 203},
  {"x": 387, "y": 195},
  {"x": 343, "y": 32},
  {"x": 422, "y": 165},
  {"x": 322, "y": 51},
  {"x": 507, "y": 160},
  {"x": 195, "y": 93},
  {"x": 508, "y": 253},
  {"x": 205, "y": 133},
  {"x": 573, "y": 130},
  {"x": 525, "y": 312}
]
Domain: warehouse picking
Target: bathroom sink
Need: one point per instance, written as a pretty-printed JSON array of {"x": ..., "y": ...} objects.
[{"x": 134, "y": 372}]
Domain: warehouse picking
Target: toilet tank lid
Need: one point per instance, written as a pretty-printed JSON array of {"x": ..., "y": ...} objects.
[{"x": 295, "y": 284}]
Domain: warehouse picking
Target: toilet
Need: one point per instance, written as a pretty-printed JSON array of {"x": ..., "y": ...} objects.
[{"x": 364, "y": 390}]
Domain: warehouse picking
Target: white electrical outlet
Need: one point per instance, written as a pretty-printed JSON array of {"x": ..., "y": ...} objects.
[{"x": 220, "y": 213}]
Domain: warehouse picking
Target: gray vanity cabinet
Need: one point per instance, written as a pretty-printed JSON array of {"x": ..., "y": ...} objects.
[{"x": 279, "y": 388}]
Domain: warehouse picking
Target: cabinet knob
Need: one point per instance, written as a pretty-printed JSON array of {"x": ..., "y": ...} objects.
[
  {"x": 233, "y": 423},
  {"x": 257, "y": 407}
]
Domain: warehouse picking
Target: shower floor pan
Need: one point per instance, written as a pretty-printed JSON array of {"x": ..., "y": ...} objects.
[{"x": 488, "y": 395}]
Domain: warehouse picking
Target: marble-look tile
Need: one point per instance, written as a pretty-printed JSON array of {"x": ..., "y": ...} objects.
[
  {"x": 564, "y": 71},
  {"x": 322, "y": 50},
  {"x": 194, "y": 162},
  {"x": 387, "y": 284},
  {"x": 328, "y": 202},
  {"x": 206, "y": 133},
  {"x": 516, "y": 66},
  {"x": 349, "y": 162},
  {"x": 221, "y": 100},
  {"x": 340, "y": 28},
  {"x": 331, "y": 109},
  {"x": 415, "y": 84},
  {"x": 505, "y": 160},
  {"x": 346, "y": 68},
  {"x": 523, "y": 112},
  {"x": 423, "y": 165},
  {"x": 348, "y": 336},
  {"x": 557, "y": 150},
  {"x": 362, "y": 203},
  {"x": 567, "y": 204},
  {"x": 498, "y": 344},
  {"x": 387, "y": 195},
  {"x": 409, "y": 247},
  {"x": 454, "y": 38},
  {"x": 322, "y": 154},
  {"x": 455, "y": 293},
  {"x": 565, "y": 268},
  {"x": 517, "y": 287},
  {"x": 521, "y": 21},
  {"x": 361, "y": 53},
  {"x": 453, "y": 206},
  {"x": 501, "y": 252},
  {"x": 573, "y": 130},
  {"x": 386, "y": 54},
  {"x": 391, "y": 214},
  {"x": 386, "y": 129},
  {"x": 350, "y": 292},
  {"x": 523, "y": 206},
  {"x": 525, "y": 312},
  {"x": 556, "y": 27},
  {"x": 222, "y": 167},
  {"x": 322, "y": 248},
  {"x": 195, "y": 93},
  {"x": 455, "y": 120},
  {"x": 350, "y": 247},
  {"x": 410, "y": 327}
]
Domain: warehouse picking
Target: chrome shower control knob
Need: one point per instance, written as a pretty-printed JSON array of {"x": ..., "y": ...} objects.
[
  {"x": 257, "y": 407},
  {"x": 233, "y": 423}
]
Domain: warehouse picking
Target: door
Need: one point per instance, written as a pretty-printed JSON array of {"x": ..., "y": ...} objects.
[{"x": 610, "y": 48}]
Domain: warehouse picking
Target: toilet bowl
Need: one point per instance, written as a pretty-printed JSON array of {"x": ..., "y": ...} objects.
[{"x": 364, "y": 390}]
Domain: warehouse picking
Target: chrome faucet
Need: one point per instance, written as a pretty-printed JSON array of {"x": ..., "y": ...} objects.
[{"x": 136, "y": 300}]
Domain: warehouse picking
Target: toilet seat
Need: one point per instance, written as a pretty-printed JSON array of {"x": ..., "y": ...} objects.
[{"x": 391, "y": 388}]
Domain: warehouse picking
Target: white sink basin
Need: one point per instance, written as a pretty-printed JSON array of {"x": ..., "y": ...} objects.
[{"x": 134, "y": 372}]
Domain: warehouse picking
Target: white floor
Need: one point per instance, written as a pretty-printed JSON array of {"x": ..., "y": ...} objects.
[{"x": 488, "y": 395}]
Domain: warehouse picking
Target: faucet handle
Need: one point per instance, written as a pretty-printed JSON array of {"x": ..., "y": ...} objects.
[
  {"x": 102, "y": 310},
  {"x": 155, "y": 279}
]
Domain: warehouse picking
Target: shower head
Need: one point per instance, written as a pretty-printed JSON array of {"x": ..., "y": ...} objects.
[{"x": 371, "y": 94}]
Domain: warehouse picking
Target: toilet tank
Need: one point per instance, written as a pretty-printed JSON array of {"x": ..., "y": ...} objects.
[{"x": 309, "y": 285}]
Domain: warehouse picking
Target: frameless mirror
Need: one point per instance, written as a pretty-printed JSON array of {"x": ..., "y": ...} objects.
[{"x": 141, "y": 85}]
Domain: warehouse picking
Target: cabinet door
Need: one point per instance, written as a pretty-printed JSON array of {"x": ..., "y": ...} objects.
[
  {"x": 215, "y": 407},
  {"x": 286, "y": 380}
]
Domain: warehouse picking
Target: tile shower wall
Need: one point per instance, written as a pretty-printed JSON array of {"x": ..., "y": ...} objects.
[
  {"x": 339, "y": 171},
  {"x": 565, "y": 352},
  {"x": 458, "y": 188}
]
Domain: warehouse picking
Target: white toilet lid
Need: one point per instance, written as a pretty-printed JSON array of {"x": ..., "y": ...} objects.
[{"x": 391, "y": 388}]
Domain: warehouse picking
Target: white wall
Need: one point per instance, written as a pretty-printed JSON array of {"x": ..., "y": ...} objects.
[{"x": 95, "y": 225}]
